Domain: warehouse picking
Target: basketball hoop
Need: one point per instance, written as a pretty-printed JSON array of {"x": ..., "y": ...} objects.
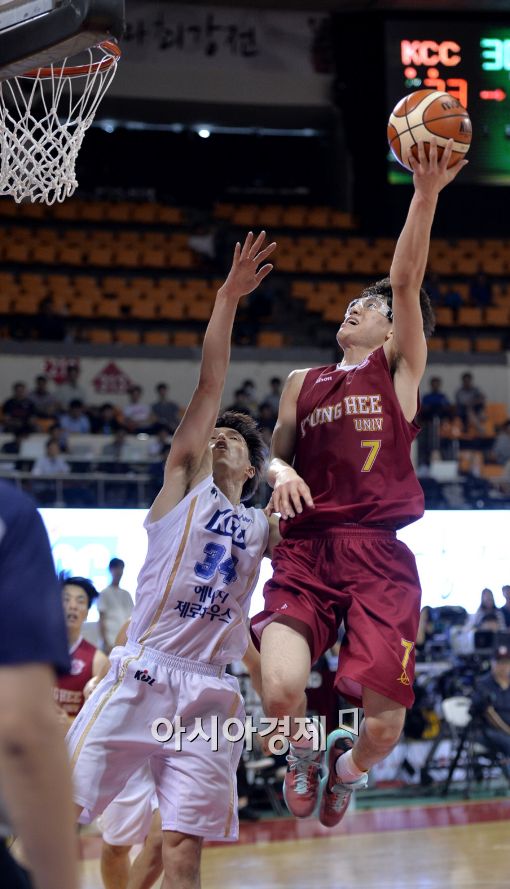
[{"x": 44, "y": 115}]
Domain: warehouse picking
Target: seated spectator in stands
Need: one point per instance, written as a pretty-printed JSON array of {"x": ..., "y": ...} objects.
[
  {"x": 250, "y": 389},
  {"x": 115, "y": 606},
  {"x": 480, "y": 290},
  {"x": 75, "y": 419},
  {"x": 105, "y": 422},
  {"x": 488, "y": 617},
  {"x": 45, "y": 404},
  {"x": 121, "y": 452},
  {"x": 432, "y": 285},
  {"x": 266, "y": 421},
  {"x": 18, "y": 410},
  {"x": 71, "y": 390},
  {"x": 505, "y": 609},
  {"x": 203, "y": 243},
  {"x": 501, "y": 446},
  {"x": 491, "y": 702},
  {"x": 56, "y": 433},
  {"x": 273, "y": 396},
  {"x": 137, "y": 415},
  {"x": 452, "y": 299},
  {"x": 50, "y": 323},
  {"x": 240, "y": 403},
  {"x": 435, "y": 403},
  {"x": 160, "y": 442},
  {"x": 52, "y": 463},
  {"x": 14, "y": 446},
  {"x": 165, "y": 411},
  {"x": 470, "y": 403}
]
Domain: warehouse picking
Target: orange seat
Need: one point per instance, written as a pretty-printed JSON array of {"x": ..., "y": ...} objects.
[
  {"x": 497, "y": 411},
  {"x": 127, "y": 337},
  {"x": 470, "y": 317},
  {"x": 488, "y": 344},
  {"x": 459, "y": 344},
  {"x": 99, "y": 335},
  {"x": 185, "y": 338},
  {"x": 156, "y": 338},
  {"x": 270, "y": 339},
  {"x": 444, "y": 317},
  {"x": 435, "y": 343},
  {"x": 497, "y": 316}
]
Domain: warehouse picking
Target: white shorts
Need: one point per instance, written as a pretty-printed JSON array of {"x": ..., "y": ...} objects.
[
  {"x": 127, "y": 820},
  {"x": 111, "y": 738}
]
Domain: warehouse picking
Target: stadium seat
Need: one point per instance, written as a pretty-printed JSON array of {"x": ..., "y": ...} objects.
[
  {"x": 488, "y": 344},
  {"x": 459, "y": 344},
  {"x": 270, "y": 339},
  {"x": 185, "y": 338},
  {"x": 155, "y": 338},
  {"x": 469, "y": 317},
  {"x": 127, "y": 337}
]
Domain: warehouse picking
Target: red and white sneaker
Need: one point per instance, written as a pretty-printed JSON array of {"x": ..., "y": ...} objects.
[
  {"x": 335, "y": 796},
  {"x": 301, "y": 784}
]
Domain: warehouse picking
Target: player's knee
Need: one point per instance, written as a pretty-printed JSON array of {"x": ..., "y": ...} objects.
[
  {"x": 281, "y": 698},
  {"x": 111, "y": 853},
  {"x": 385, "y": 729},
  {"x": 181, "y": 859}
]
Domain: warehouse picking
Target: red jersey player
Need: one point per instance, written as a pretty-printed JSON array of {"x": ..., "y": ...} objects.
[
  {"x": 86, "y": 660},
  {"x": 344, "y": 483}
]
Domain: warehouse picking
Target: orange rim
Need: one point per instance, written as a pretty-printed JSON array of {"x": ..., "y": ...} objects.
[{"x": 112, "y": 55}]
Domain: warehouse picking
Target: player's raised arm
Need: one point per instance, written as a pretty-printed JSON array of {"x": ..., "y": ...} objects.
[
  {"x": 290, "y": 491},
  {"x": 184, "y": 467},
  {"x": 430, "y": 176}
]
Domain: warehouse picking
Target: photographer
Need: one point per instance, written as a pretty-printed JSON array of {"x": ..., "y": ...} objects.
[{"x": 491, "y": 702}]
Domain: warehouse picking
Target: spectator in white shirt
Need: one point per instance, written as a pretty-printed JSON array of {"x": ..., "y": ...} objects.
[
  {"x": 137, "y": 414},
  {"x": 70, "y": 390},
  {"x": 115, "y": 606},
  {"x": 53, "y": 463}
]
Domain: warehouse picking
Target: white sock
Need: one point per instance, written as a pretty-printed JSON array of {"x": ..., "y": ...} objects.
[
  {"x": 308, "y": 740},
  {"x": 346, "y": 768}
]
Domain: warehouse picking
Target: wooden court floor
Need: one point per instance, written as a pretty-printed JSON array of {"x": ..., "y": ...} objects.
[{"x": 456, "y": 846}]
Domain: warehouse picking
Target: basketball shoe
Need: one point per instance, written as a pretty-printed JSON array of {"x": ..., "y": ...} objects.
[
  {"x": 334, "y": 795},
  {"x": 302, "y": 780}
]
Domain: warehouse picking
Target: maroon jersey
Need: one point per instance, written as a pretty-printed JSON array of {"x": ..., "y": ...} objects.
[
  {"x": 68, "y": 691},
  {"x": 353, "y": 450}
]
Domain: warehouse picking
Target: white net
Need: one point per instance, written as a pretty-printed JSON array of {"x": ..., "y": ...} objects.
[{"x": 43, "y": 118}]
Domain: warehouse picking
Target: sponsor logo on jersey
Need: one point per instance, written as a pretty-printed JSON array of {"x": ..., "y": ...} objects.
[
  {"x": 227, "y": 524},
  {"x": 77, "y": 666},
  {"x": 143, "y": 676},
  {"x": 323, "y": 379}
]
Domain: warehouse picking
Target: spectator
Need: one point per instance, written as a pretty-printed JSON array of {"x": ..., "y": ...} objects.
[
  {"x": 469, "y": 402},
  {"x": 160, "y": 442},
  {"x": 115, "y": 606},
  {"x": 488, "y": 617},
  {"x": 14, "y": 446},
  {"x": 34, "y": 771},
  {"x": 249, "y": 388},
  {"x": 481, "y": 290},
  {"x": 71, "y": 390},
  {"x": 49, "y": 322},
  {"x": 105, "y": 422},
  {"x": 491, "y": 701},
  {"x": 240, "y": 403},
  {"x": 435, "y": 403},
  {"x": 56, "y": 433},
  {"x": 203, "y": 243},
  {"x": 19, "y": 409},
  {"x": 273, "y": 396},
  {"x": 432, "y": 285},
  {"x": 137, "y": 415},
  {"x": 501, "y": 447},
  {"x": 505, "y": 609},
  {"x": 120, "y": 450},
  {"x": 45, "y": 404},
  {"x": 165, "y": 411},
  {"x": 75, "y": 419},
  {"x": 52, "y": 463}
]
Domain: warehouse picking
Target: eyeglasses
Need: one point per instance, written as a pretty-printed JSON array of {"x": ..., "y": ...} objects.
[{"x": 372, "y": 303}]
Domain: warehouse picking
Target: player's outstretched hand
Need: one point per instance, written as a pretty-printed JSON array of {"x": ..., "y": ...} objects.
[
  {"x": 289, "y": 495},
  {"x": 431, "y": 175},
  {"x": 245, "y": 274}
]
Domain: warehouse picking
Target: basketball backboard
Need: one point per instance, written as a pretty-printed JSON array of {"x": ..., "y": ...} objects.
[{"x": 37, "y": 33}]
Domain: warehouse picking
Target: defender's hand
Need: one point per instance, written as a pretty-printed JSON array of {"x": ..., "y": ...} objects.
[
  {"x": 290, "y": 492},
  {"x": 245, "y": 276}
]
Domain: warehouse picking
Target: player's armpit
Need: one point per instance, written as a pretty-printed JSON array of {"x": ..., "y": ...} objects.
[{"x": 274, "y": 534}]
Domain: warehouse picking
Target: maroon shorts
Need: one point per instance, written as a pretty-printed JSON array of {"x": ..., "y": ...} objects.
[{"x": 368, "y": 579}]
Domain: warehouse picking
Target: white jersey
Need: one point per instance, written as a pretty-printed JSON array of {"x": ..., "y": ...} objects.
[{"x": 194, "y": 589}]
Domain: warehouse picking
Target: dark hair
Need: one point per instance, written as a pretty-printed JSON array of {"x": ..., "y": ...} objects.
[
  {"x": 383, "y": 288},
  {"x": 116, "y": 563},
  {"x": 76, "y": 402},
  {"x": 248, "y": 428},
  {"x": 83, "y": 583}
]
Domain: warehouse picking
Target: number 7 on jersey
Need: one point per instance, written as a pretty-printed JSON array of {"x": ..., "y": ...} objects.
[{"x": 374, "y": 450}]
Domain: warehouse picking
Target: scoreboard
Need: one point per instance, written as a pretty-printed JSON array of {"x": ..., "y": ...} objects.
[{"x": 470, "y": 60}]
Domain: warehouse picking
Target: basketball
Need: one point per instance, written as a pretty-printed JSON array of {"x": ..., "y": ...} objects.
[{"x": 424, "y": 114}]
